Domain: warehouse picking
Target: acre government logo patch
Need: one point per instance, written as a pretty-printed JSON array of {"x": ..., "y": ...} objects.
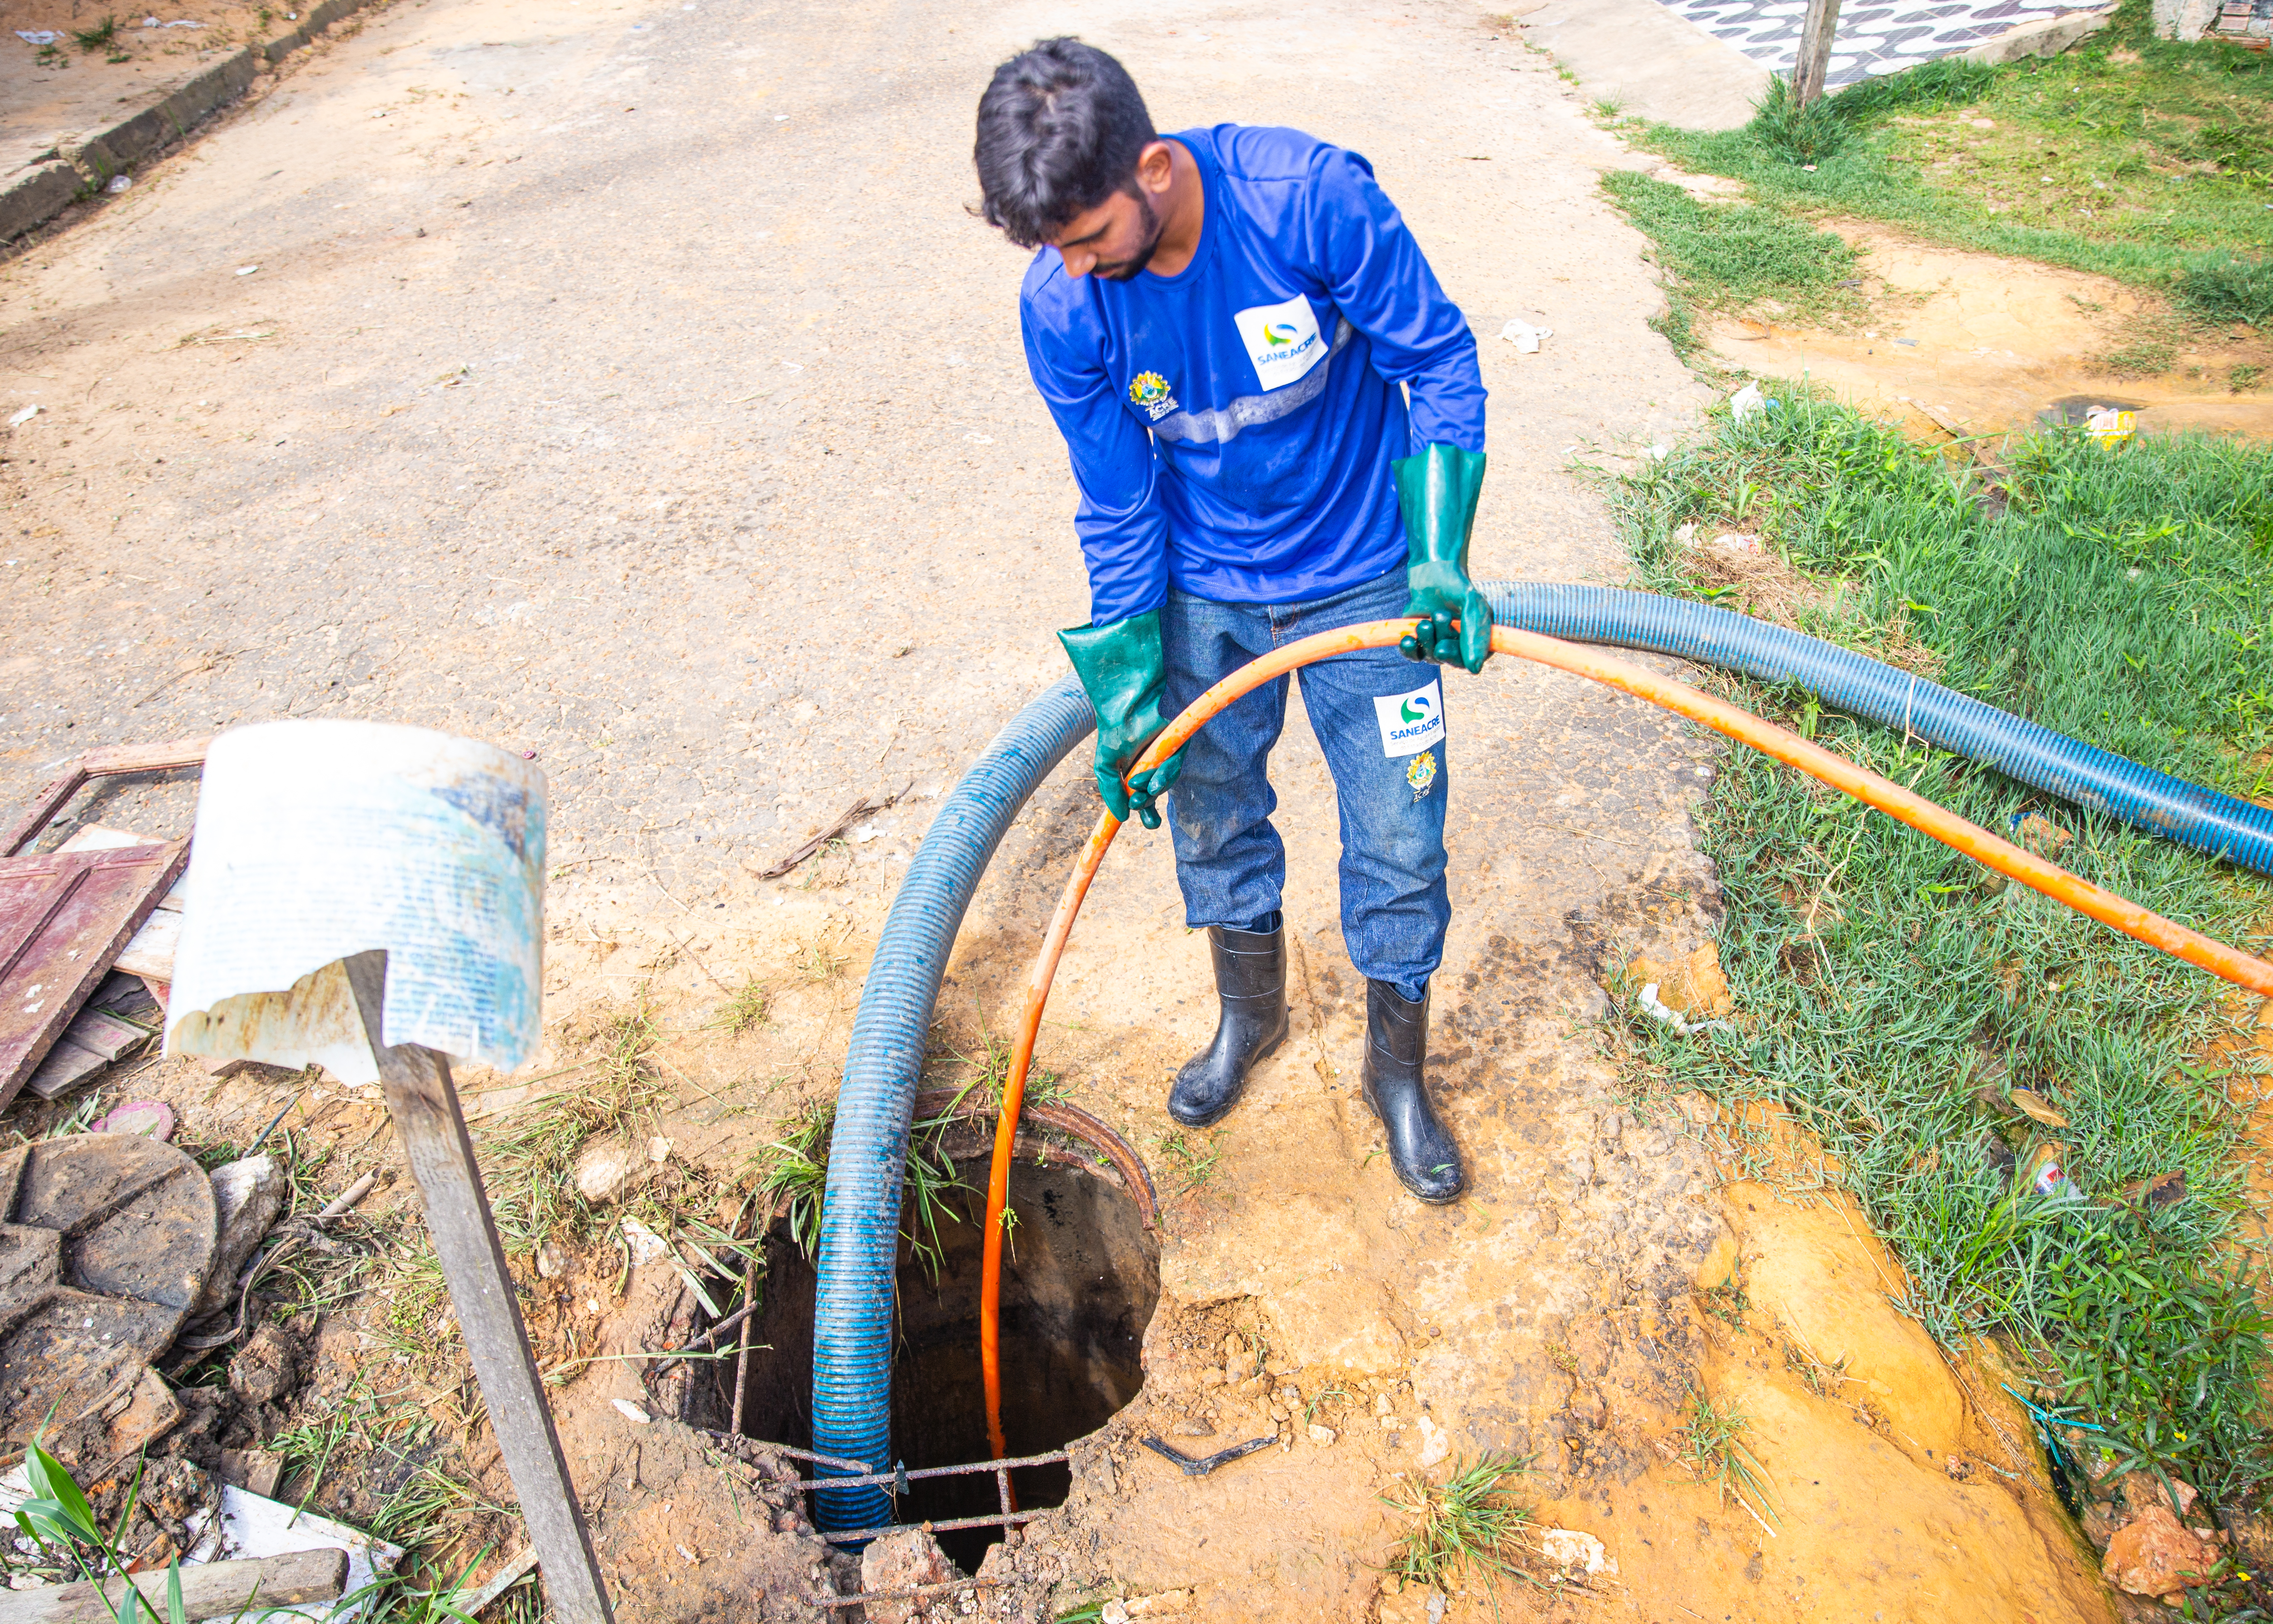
[
  {"x": 1410, "y": 723},
  {"x": 1149, "y": 391},
  {"x": 1282, "y": 340}
]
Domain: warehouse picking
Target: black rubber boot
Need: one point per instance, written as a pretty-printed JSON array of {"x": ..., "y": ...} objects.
[
  {"x": 1250, "y": 985},
  {"x": 1421, "y": 1150}
]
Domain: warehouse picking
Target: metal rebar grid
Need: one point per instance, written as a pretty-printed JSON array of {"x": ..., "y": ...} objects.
[
  {"x": 914, "y": 1594},
  {"x": 1001, "y": 1469},
  {"x": 740, "y": 1443},
  {"x": 1013, "y": 1519}
]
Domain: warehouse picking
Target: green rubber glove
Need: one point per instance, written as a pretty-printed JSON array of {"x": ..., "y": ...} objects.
[
  {"x": 1437, "y": 492},
  {"x": 1123, "y": 671}
]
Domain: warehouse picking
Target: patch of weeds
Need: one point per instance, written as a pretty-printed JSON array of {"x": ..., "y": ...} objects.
[
  {"x": 51, "y": 56},
  {"x": 817, "y": 961},
  {"x": 986, "y": 1073},
  {"x": 1560, "y": 1355},
  {"x": 1728, "y": 1302},
  {"x": 2128, "y": 155},
  {"x": 421, "y": 1514},
  {"x": 1822, "y": 1380},
  {"x": 747, "y": 1010},
  {"x": 2118, "y": 598},
  {"x": 2139, "y": 358},
  {"x": 525, "y": 1160},
  {"x": 1713, "y": 1448},
  {"x": 1802, "y": 134},
  {"x": 1335, "y": 1394},
  {"x": 102, "y": 36},
  {"x": 2242, "y": 379},
  {"x": 2228, "y": 290},
  {"x": 792, "y": 1172},
  {"x": 1468, "y": 1524},
  {"x": 1727, "y": 256},
  {"x": 1194, "y": 1159}
]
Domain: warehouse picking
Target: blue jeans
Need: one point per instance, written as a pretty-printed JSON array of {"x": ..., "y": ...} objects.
[{"x": 1379, "y": 718}]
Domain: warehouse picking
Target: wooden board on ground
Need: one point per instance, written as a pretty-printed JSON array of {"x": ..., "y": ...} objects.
[
  {"x": 63, "y": 919},
  {"x": 209, "y": 1589}
]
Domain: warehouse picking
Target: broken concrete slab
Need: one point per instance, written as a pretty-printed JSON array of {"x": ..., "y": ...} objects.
[{"x": 248, "y": 1196}]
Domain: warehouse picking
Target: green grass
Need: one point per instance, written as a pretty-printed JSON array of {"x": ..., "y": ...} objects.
[
  {"x": 1468, "y": 1524},
  {"x": 2135, "y": 157},
  {"x": 100, "y": 37},
  {"x": 1892, "y": 994},
  {"x": 1713, "y": 1446},
  {"x": 1727, "y": 256}
]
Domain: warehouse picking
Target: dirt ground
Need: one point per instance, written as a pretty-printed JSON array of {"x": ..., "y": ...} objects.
[
  {"x": 1990, "y": 344},
  {"x": 50, "y": 94},
  {"x": 628, "y": 384}
]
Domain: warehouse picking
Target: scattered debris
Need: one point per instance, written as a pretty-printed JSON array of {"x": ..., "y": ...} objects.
[
  {"x": 86, "y": 1315},
  {"x": 118, "y": 183},
  {"x": 1655, "y": 1008},
  {"x": 606, "y": 1170},
  {"x": 1746, "y": 401},
  {"x": 2034, "y": 1105},
  {"x": 908, "y": 1560},
  {"x": 1205, "y": 1465},
  {"x": 29, "y": 412},
  {"x": 2163, "y": 1189},
  {"x": 633, "y": 1413},
  {"x": 852, "y": 814},
  {"x": 153, "y": 1119},
  {"x": 1525, "y": 336},
  {"x": 2154, "y": 1554},
  {"x": 1577, "y": 1553},
  {"x": 248, "y": 1196}
]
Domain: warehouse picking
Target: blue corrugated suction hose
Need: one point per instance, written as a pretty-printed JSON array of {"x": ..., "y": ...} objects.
[
  {"x": 868, "y": 1150},
  {"x": 860, "y": 1217},
  {"x": 2220, "y": 825}
]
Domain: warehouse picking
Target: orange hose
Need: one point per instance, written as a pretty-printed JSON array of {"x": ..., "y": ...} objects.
[{"x": 1924, "y": 816}]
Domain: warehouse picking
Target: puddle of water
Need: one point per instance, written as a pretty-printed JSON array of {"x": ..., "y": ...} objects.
[{"x": 1975, "y": 343}]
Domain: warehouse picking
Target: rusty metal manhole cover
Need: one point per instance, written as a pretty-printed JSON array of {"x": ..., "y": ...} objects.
[{"x": 105, "y": 1239}]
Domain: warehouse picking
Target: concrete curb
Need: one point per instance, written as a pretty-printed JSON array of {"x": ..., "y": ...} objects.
[
  {"x": 2047, "y": 36},
  {"x": 81, "y": 167}
]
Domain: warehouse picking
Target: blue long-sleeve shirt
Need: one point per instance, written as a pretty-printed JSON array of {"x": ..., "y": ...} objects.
[{"x": 1232, "y": 426}]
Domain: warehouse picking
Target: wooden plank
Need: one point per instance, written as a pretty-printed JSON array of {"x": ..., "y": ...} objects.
[
  {"x": 149, "y": 953},
  {"x": 1816, "y": 35},
  {"x": 424, "y": 1105},
  {"x": 64, "y": 1067},
  {"x": 63, "y": 921},
  {"x": 167, "y": 757},
  {"x": 209, "y": 1590}
]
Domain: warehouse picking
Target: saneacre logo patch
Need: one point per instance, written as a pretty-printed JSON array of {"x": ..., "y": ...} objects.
[
  {"x": 1410, "y": 723},
  {"x": 1149, "y": 391},
  {"x": 1282, "y": 340}
]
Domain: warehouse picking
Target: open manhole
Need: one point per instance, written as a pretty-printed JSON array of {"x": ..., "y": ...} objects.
[{"x": 1081, "y": 1275}]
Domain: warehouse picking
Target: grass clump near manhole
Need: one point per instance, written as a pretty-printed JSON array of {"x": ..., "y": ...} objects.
[
  {"x": 1713, "y": 1448},
  {"x": 1728, "y": 256},
  {"x": 1466, "y": 1525},
  {"x": 2130, "y": 156},
  {"x": 1907, "y": 1006}
]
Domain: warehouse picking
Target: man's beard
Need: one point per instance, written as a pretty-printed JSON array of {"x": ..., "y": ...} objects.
[{"x": 1126, "y": 269}]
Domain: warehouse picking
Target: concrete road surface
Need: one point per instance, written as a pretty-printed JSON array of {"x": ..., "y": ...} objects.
[{"x": 629, "y": 383}]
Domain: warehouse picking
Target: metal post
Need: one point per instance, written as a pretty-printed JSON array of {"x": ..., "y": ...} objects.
[
  {"x": 425, "y": 1106},
  {"x": 1815, "y": 37}
]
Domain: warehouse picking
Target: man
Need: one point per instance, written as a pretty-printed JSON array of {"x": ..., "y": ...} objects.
[{"x": 1223, "y": 324}]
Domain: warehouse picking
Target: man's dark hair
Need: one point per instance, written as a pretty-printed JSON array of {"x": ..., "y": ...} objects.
[{"x": 1059, "y": 129}]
